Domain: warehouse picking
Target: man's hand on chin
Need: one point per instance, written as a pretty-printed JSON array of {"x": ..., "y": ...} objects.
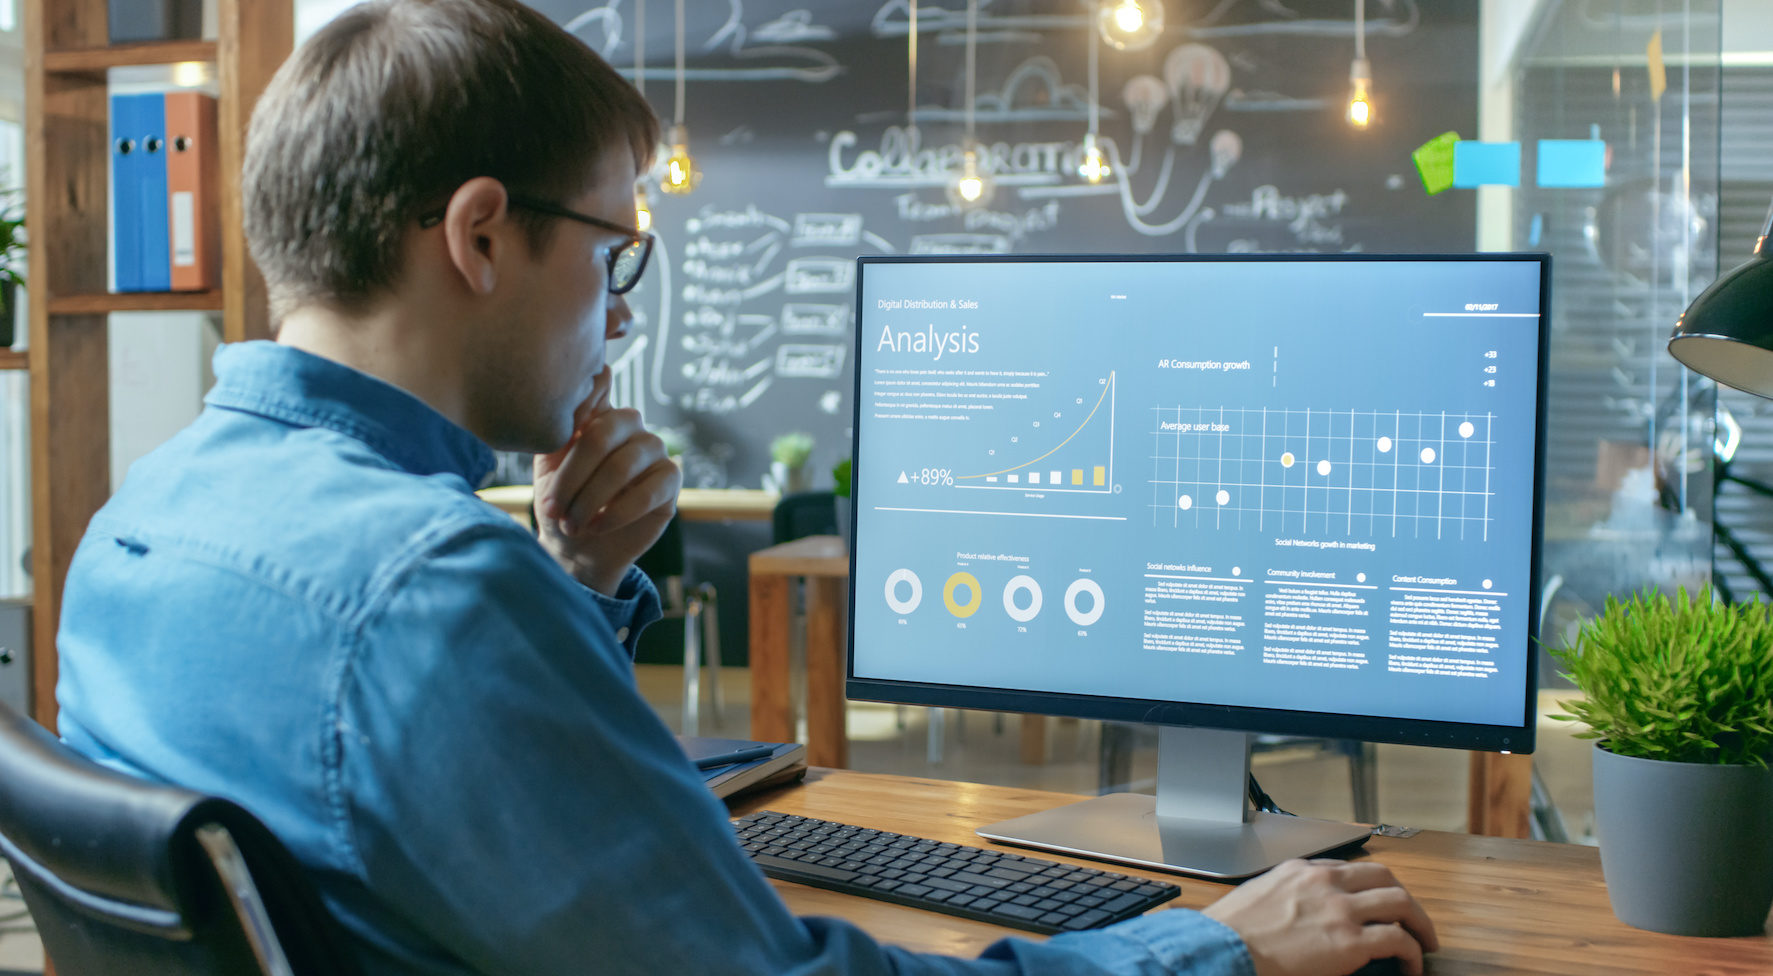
[{"x": 604, "y": 498}]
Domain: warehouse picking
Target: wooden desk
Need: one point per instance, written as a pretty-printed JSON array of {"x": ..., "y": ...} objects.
[
  {"x": 693, "y": 504},
  {"x": 1500, "y": 906},
  {"x": 824, "y": 563}
]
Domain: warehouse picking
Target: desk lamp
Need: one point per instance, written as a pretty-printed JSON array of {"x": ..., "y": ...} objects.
[{"x": 1727, "y": 333}]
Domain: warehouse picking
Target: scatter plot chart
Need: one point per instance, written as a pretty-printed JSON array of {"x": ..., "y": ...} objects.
[{"x": 1355, "y": 473}]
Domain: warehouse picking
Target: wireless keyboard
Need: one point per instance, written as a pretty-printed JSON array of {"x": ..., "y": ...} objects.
[{"x": 987, "y": 885}]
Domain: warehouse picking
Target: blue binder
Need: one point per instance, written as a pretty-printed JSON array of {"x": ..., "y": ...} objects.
[{"x": 139, "y": 235}]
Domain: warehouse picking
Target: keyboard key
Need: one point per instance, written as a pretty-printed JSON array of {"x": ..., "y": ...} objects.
[
  {"x": 1024, "y": 912},
  {"x": 801, "y": 867},
  {"x": 1122, "y": 903},
  {"x": 1086, "y": 920}
]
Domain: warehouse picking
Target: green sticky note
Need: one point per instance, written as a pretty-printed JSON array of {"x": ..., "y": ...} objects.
[{"x": 1434, "y": 162}]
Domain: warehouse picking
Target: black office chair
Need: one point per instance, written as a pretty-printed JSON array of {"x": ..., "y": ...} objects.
[
  {"x": 802, "y": 514},
  {"x": 698, "y": 606},
  {"x": 127, "y": 876}
]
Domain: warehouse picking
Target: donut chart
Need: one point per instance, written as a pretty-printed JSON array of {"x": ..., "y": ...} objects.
[
  {"x": 905, "y": 606},
  {"x": 1081, "y": 617},
  {"x": 1022, "y": 584},
  {"x": 974, "y": 599}
]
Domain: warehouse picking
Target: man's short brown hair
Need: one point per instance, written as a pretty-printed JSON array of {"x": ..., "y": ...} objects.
[{"x": 389, "y": 108}]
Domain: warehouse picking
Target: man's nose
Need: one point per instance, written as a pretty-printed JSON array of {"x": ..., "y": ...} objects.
[{"x": 618, "y": 317}]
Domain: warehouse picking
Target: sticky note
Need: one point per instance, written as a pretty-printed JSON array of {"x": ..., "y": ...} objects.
[
  {"x": 1486, "y": 163},
  {"x": 1434, "y": 162},
  {"x": 1658, "y": 68},
  {"x": 1572, "y": 162}
]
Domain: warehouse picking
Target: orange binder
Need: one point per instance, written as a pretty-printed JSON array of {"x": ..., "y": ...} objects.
[{"x": 193, "y": 191}]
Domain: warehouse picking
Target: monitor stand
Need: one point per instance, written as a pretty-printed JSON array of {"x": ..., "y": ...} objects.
[{"x": 1200, "y": 822}]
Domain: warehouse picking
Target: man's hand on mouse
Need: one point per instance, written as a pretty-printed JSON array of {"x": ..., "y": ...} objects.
[{"x": 1326, "y": 918}]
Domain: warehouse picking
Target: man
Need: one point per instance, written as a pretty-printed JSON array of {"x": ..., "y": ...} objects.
[{"x": 298, "y": 603}]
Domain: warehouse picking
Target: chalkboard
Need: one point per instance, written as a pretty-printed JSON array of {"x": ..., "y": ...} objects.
[{"x": 1226, "y": 134}]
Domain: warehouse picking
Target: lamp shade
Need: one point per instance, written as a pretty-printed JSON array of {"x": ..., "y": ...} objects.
[{"x": 1727, "y": 333}]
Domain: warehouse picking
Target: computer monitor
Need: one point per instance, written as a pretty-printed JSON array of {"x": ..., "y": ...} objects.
[{"x": 1228, "y": 494}]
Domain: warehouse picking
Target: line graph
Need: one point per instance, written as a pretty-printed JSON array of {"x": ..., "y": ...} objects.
[
  {"x": 1373, "y": 473},
  {"x": 1087, "y": 469}
]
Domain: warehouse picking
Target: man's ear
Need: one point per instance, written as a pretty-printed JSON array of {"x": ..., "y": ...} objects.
[{"x": 476, "y": 230}]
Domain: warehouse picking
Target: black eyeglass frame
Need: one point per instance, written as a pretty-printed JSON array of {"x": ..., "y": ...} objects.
[{"x": 641, "y": 237}]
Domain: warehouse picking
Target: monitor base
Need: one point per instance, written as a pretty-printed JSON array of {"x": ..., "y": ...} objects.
[{"x": 1125, "y": 828}]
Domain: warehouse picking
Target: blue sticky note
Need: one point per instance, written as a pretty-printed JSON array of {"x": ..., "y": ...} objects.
[
  {"x": 1486, "y": 163},
  {"x": 1572, "y": 162}
]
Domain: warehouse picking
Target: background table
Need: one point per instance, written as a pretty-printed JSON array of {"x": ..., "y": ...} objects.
[
  {"x": 824, "y": 563},
  {"x": 1500, "y": 906},
  {"x": 693, "y": 504}
]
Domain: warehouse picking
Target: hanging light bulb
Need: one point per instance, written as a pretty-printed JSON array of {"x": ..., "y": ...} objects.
[
  {"x": 1360, "y": 101},
  {"x": 1360, "y": 73},
  {"x": 973, "y": 188},
  {"x": 681, "y": 175},
  {"x": 1128, "y": 25},
  {"x": 643, "y": 210},
  {"x": 1094, "y": 166}
]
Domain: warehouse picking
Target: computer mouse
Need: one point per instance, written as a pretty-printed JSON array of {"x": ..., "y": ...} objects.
[{"x": 1387, "y": 966}]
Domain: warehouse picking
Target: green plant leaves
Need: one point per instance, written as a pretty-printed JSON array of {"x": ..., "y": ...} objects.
[{"x": 1683, "y": 680}]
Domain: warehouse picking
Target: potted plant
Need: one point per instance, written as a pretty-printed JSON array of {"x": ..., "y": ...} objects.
[
  {"x": 840, "y": 477},
  {"x": 788, "y": 457},
  {"x": 12, "y": 252},
  {"x": 1679, "y": 694}
]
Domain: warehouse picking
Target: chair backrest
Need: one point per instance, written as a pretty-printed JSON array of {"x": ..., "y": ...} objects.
[
  {"x": 126, "y": 876},
  {"x": 804, "y": 513},
  {"x": 666, "y": 564}
]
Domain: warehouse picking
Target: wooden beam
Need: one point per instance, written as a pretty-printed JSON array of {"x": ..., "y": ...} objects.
[
  {"x": 1500, "y": 803},
  {"x": 255, "y": 38},
  {"x": 67, "y": 152}
]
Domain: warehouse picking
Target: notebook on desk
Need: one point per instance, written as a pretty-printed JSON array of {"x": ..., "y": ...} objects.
[{"x": 784, "y": 763}]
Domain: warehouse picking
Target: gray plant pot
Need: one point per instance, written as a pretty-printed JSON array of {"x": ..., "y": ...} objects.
[
  {"x": 843, "y": 521},
  {"x": 1686, "y": 848}
]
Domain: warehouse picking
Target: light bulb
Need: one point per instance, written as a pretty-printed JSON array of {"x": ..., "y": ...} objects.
[
  {"x": 681, "y": 175},
  {"x": 1095, "y": 164},
  {"x": 973, "y": 188},
  {"x": 643, "y": 211},
  {"x": 1128, "y": 17},
  {"x": 1128, "y": 25},
  {"x": 1360, "y": 110},
  {"x": 1360, "y": 101}
]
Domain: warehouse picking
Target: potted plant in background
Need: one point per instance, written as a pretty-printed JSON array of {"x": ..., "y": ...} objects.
[
  {"x": 840, "y": 477},
  {"x": 788, "y": 457},
  {"x": 12, "y": 253},
  {"x": 1680, "y": 694}
]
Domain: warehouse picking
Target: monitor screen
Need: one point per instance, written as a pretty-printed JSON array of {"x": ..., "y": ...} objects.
[{"x": 1280, "y": 493}]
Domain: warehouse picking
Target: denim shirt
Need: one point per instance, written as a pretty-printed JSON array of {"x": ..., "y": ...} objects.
[{"x": 299, "y": 604}]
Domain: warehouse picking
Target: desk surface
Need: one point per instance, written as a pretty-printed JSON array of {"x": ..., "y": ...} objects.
[{"x": 1500, "y": 906}]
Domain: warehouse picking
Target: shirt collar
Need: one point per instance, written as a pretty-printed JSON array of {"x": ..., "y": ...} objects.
[{"x": 306, "y": 390}]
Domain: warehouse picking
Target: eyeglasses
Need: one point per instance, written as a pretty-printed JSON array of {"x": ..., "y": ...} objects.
[{"x": 626, "y": 263}]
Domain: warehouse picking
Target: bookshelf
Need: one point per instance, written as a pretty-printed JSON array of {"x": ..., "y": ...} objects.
[{"x": 67, "y": 138}]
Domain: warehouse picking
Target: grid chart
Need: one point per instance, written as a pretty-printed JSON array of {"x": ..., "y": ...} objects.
[{"x": 1385, "y": 473}]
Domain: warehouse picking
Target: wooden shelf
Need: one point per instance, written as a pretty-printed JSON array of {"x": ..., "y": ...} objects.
[
  {"x": 15, "y": 359},
  {"x": 95, "y": 60},
  {"x": 145, "y": 301}
]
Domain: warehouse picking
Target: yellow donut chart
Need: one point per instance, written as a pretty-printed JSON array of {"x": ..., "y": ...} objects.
[{"x": 969, "y": 581}]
